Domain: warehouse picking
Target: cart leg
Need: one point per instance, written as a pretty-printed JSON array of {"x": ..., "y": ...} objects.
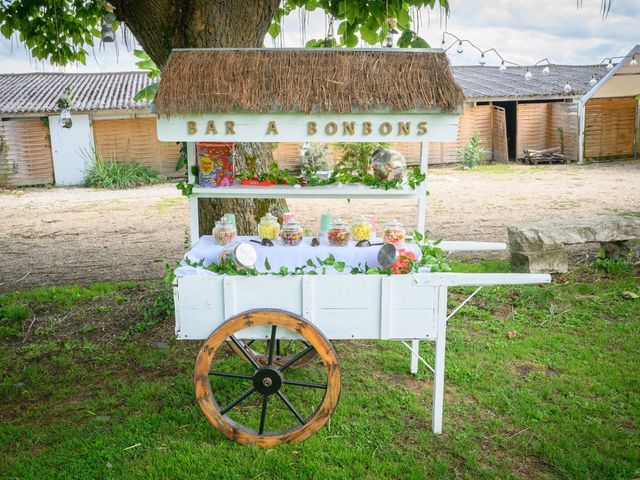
[
  {"x": 415, "y": 346},
  {"x": 438, "y": 385}
]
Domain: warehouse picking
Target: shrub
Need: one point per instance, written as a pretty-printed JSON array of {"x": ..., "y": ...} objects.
[
  {"x": 114, "y": 175},
  {"x": 610, "y": 265},
  {"x": 313, "y": 158},
  {"x": 356, "y": 157},
  {"x": 472, "y": 153}
]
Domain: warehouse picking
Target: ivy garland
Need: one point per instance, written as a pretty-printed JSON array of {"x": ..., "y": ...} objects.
[
  {"x": 340, "y": 175},
  {"x": 432, "y": 256}
]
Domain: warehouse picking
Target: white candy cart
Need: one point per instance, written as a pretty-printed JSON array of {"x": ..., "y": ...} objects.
[{"x": 269, "y": 336}]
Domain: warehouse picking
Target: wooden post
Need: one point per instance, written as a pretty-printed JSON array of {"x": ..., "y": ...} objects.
[
  {"x": 438, "y": 380},
  {"x": 193, "y": 199}
]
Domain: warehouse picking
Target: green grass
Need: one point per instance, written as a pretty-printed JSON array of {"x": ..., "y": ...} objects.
[
  {"x": 541, "y": 382},
  {"x": 116, "y": 175}
]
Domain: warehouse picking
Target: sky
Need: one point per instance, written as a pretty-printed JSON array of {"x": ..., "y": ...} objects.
[{"x": 523, "y": 31}]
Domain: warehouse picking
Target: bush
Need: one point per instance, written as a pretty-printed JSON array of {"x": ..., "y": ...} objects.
[
  {"x": 472, "y": 153},
  {"x": 313, "y": 158},
  {"x": 112, "y": 174},
  {"x": 356, "y": 157}
]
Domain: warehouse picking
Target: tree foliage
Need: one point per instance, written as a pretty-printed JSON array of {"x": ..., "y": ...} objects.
[
  {"x": 61, "y": 31},
  {"x": 56, "y": 30}
]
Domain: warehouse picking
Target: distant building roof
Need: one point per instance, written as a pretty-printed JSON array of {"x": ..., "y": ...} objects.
[
  {"x": 39, "y": 92},
  {"x": 490, "y": 83},
  {"x": 32, "y": 93}
]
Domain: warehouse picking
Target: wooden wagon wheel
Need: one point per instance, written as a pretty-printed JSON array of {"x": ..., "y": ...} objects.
[
  {"x": 281, "y": 357},
  {"x": 267, "y": 382}
]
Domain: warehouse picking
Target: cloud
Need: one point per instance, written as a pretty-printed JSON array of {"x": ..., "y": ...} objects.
[{"x": 521, "y": 30}]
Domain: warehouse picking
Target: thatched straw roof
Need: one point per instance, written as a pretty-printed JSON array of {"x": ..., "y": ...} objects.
[{"x": 306, "y": 80}]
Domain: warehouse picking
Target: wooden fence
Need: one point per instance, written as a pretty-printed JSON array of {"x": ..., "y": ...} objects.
[
  {"x": 25, "y": 152},
  {"x": 135, "y": 140},
  {"x": 609, "y": 127},
  {"x": 547, "y": 125}
]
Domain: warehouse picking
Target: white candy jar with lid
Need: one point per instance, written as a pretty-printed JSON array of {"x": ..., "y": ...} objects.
[
  {"x": 240, "y": 254},
  {"x": 394, "y": 233},
  {"x": 268, "y": 227},
  {"x": 292, "y": 232},
  {"x": 361, "y": 229},
  {"x": 224, "y": 232}
]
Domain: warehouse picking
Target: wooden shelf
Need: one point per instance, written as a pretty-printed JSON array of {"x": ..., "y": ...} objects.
[{"x": 287, "y": 191}]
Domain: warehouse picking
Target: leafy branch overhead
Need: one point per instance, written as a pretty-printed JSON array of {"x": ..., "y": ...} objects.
[
  {"x": 149, "y": 92},
  {"x": 369, "y": 21}
]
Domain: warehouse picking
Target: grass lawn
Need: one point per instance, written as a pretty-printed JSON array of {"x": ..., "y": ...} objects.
[{"x": 541, "y": 382}]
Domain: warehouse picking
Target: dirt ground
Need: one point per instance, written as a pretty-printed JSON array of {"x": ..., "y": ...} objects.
[{"x": 67, "y": 235}]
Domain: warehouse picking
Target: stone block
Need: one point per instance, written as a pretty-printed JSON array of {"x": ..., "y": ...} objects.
[{"x": 542, "y": 261}]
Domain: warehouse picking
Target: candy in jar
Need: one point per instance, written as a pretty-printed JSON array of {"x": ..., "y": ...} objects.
[
  {"x": 361, "y": 229},
  {"x": 224, "y": 232},
  {"x": 388, "y": 164},
  {"x": 240, "y": 254},
  {"x": 394, "y": 233},
  {"x": 338, "y": 235},
  {"x": 268, "y": 227},
  {"x": 292, "y": 232}
]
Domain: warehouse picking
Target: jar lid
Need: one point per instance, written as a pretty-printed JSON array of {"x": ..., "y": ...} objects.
[
  {"x": 269, "y": 218},
  {"x": 339, "y": 223},
  {"x": 387, "y": 255},
  {"x": 362, "y": 219},
  {"x": 224, "y": 224},
  {"x": 292, "y": 223},
  {"x": 245, "y": 254},
  {"x": 394, "y": 223}
]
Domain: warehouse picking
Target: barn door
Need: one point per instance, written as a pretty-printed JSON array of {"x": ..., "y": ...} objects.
[{"x": 500, "y": 148}]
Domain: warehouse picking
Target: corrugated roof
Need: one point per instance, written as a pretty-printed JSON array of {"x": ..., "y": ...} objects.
[
  {"x": 39, "y": 92},
  {"x": 479, "y": 82}
]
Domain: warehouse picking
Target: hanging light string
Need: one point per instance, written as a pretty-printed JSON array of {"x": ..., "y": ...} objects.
[{"x": 459, "y": 44}]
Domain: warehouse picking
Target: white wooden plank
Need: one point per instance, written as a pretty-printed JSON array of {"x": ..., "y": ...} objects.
[
  {"x": 385, "y": 308},
  {"x": 438, "y": 367},
  {"x": 288, "y": 191},
  {"x": 477, "y": 279},
  {"x": 463, "y": 246}
]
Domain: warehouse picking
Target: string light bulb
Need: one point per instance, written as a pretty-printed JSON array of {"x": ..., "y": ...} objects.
[
  {"x": 567, "y": 87},
  {"x": 460, "y": 48},
  {"x": 483, "y": 60},
  {"x": 633, "y": 61},
  {"x": 545, "y": 70},
  {"x": 593, "y": 80},
  {"x": 330, "y": 34},
  {"x": 609, "y": 65},
  {"x": 443, "y": 45},
  {"x": 503, "y": 67},
  {"x": 528, "y": 75}
]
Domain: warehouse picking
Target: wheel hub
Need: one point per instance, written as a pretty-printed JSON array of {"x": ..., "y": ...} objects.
[{"x": 267, "y": 380}]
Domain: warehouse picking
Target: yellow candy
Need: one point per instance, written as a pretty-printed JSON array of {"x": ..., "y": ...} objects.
[
  {"x": 361, "y": 231},
  {"x": 269, "y": 232}
]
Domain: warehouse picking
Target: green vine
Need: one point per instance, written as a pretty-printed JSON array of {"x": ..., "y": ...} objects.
[{"x": 432, "y": 256}]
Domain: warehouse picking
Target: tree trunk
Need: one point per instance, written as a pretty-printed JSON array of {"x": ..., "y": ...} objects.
[{"x": 161, "y": 25}]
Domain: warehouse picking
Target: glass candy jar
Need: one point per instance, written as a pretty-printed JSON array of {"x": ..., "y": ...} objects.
[
  {"x": 268, "y": 227},
  {"x": 240, "y": 254},
  {"x": 224, "y": 232},
  {"x": 394, "y": 233},
  {"x": 388, "y": 165},
  {"x": 292, "y": 232},
  {"x": 338, "y": 234},
  {"x": 361, "y": 229}
]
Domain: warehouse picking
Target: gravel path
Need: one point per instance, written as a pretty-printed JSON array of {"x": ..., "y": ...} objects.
[{"x": 66, "y": 235}]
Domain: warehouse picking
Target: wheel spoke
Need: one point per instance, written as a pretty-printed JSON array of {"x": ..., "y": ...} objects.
[
  {"x": 291, "y": 407},
  {"x": 296, "y": 358},
  {"x": 272, "y": 344},
  {"x": 244, "y": 352},
  {"x": 305, "y": 384},
  {"x": 263, "y": 415},
  {"x": 237, "y": 400},
  {"x": 229, "y": 374}
]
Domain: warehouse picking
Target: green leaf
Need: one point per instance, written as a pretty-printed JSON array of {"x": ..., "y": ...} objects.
[
  {"x": 274, "y": 30},
  {"x": 311, "y": 264},
  {"x": 284, "y": 271},
  {"x": 419, "y": 42},
  {"x": 339, "y": 266},
  {"x": 267, "y": 265},
  {"x": 147, "y": 93}
]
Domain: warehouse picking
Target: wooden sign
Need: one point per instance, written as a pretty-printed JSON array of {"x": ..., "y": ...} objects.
[{"x": 360, "y": 127}]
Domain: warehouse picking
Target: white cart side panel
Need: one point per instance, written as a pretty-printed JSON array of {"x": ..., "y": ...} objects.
[{"x": 341, "y": 306}]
